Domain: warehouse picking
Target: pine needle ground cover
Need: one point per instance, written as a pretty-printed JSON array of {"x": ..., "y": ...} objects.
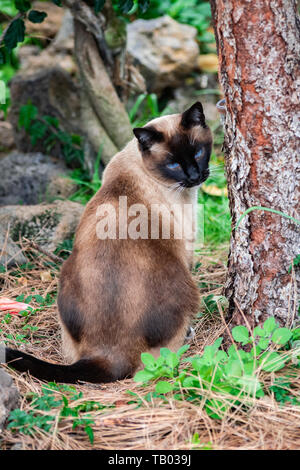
[{"x": 155, "y": 413}]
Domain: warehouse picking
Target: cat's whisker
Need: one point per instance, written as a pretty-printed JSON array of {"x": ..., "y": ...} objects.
[
  {"x": 179, "y": 190},
  {"x": 216, "y": 173},
  {"x": 215, "y": 170},
  {"x": 173, "y": 186}
]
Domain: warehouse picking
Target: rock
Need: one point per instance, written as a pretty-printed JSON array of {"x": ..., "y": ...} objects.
[
  {"x": 64, "y": 40},
  {"x": 44, "y": 59},
  {"x": 51, "y": 24},
  {"x": 165, "y": 51},
  {"x": 58, "y": 54},
  {"x": 26, "y": 54},
  {"x": 9, "y": 397},
  {"x": 55, "y": 94},
  {"x": 60, "y": 187},
  {"x": 32, "y": 178},
  {"x": 46, "y": 224},
  {"x": 6, "y": 136},
  {"x": 10, "y": 252},
  {"x": 184, "y": 97}
]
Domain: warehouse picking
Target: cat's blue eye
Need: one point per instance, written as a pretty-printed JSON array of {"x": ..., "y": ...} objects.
[
  {"x": 199, "y": 154},
  {"x": 173, "y": 166}
]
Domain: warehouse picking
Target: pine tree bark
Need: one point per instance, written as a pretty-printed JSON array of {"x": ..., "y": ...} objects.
[{"x": 259, "y": 50}]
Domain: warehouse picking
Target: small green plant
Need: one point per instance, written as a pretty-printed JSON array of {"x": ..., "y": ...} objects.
[
  {"x": 87, "y": 186},
  {"x": 58, "y": 399},
  {"x": 46, "y": 130},
  {"x": 266, "y": 209},
  {"x": 64, "y": 249},
  {"x": 2, "y": 269},
  {"x": 198, "y": 445},
  {"x": 17, "y": 339},
  {"x": 224, "y": 380},
  {"x": 295, "y": 263},
  {"x": 26, "y": 331},
  {"x": 217, "y": 220},
  {"x": 283, "y": 390},
  {"x": 145, "y": 108}
]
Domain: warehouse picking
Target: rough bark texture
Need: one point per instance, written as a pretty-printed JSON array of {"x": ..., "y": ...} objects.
[
  {"x": 100, "y": 48},
  {"x": 258, "y": 45},
  {"x": 99, "y": 88}
]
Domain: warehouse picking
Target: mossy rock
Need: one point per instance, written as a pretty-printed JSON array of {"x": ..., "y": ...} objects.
[
  {"x": 49, "y": 225},
  {"x": 39, "y": 228}
]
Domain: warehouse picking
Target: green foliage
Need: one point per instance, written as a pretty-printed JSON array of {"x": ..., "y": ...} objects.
[
  {"x": 87, "y": 186},
  {"x": 14, "y": 34},
  {"x": 22, "y": 5},
  {"x": 217, "y": 220},
  {"x": 7, "y": 71},
  {"x": 26, "y": 331},
  {"x": 125, "y": 5},
  {"x": 27, "y": 114},
  {"x": 7, "y": 7},
  {"x": 130, "y": 7},
  {"x": 198, "y": 445},
  {"x": 64, "y": 248},
  {"x": 36, "y": 16},
  {"x": 210, "y": 303},
  {"x": 233, "y": 377},
  {"x": 17, "y": 339},
  {"x": 46, "y": 130},
  {"x": 27, "y": 423},
  {"x": 283, "y": 390},
  {"x": 61, "y": 399},
  {"x": 266, "y": 209},
  {"x": 144, "y": 5},
  {"x": 144, "y": 109},
  {"x": 2, "y": 269},
  {"x": 99, "y": 4},
  {"x": 295, "y": 263}
]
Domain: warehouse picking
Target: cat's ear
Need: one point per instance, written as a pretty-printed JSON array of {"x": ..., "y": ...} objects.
[
  {"x": 194, "y": 116},
  {"x": 147, "y": 136}
]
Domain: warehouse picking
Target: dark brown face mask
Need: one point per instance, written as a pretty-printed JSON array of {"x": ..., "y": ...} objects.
[{"x": 184, "y": 155}]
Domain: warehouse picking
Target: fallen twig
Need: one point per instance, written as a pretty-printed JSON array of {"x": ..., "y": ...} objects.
[{"x": 45, "y": 252}]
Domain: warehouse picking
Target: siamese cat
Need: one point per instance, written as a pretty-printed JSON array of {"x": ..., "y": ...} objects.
[{"x": 120, "y": 296}]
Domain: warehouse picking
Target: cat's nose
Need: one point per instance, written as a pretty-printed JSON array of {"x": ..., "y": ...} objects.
[{"x": 194, "y": 179}]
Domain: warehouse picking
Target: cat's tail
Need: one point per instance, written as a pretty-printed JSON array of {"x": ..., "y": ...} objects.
[{"x": 87, "y": 370}]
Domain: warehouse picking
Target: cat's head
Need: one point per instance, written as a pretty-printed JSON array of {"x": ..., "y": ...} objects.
[{"x": 177, "y": 148}]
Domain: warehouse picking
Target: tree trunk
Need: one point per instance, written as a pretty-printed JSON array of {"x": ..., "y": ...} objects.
[
  {"x": 100, "y": 50},
  {"x": 258, "y": 47}
]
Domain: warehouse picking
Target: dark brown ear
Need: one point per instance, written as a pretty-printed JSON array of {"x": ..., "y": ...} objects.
[
  {"x": 193, "y": 116},
  {"x": 147, "y": 136}
]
